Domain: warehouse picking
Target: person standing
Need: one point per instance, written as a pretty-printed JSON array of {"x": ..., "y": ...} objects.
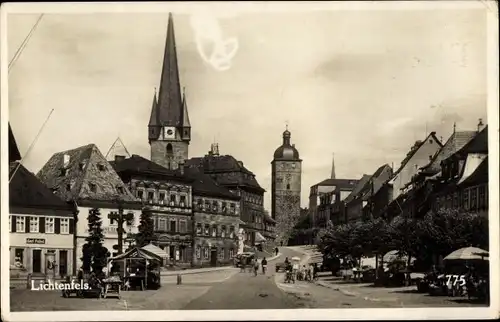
[
  {"x": 276, "y": 250},
  {"x": 264, "y": 265},
  {"x": 255, "y": 267}
]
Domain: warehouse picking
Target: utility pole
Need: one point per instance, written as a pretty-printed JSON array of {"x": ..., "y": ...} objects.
[{"x": 121, "y": 218}]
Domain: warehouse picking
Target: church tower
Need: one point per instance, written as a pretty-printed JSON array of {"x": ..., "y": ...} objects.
[
  {"x": 286, "y": 187},
  {"x": 169, "y": 129}
]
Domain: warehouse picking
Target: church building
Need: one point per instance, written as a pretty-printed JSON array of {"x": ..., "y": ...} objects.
[{"x": 286, "y": 188}]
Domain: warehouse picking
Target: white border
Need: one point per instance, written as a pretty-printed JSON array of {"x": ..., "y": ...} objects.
[{"x": 295, "y": 314}]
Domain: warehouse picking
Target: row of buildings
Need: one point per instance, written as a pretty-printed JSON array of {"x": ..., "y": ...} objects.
[
  {"x": 433, "y": 175},
  {"x": 205, "y": 209}
]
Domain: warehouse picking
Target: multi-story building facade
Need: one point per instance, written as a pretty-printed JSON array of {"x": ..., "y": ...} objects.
[
  {"x": 332, "y": 204},
  {"x": 41, "y": 225},
  {"x": 84, "y": 177},
  {"x": 168, "y": 196},
  {"x": 463, "y": 183},
  {"x": 216, "y": 213},
  {"x": 231, "y": 174},
  {"x": 286, "y": 172}
]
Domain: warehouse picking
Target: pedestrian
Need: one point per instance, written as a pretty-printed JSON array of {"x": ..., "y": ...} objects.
[
  {"x": 255, "y": 267},
  {"x": 315, "y": 271},
  {"x": 295, "y": 269},
  {"x": 276, "y": 250},
  {"x": 281, "y": 243},
  {"x": 264, "y": 265}
]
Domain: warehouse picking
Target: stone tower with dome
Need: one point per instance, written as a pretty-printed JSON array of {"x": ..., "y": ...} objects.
[{"x": 286, "y": 187}]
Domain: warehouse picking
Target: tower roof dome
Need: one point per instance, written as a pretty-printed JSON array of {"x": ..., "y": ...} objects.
[{"x": 286, "y": 151}]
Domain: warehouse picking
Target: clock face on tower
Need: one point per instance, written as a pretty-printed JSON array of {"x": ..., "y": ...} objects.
[{"x": 168, "y": 132}]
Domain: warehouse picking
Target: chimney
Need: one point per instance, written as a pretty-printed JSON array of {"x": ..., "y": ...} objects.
[
  {"x": 181, "y": 167},
  {"x": 66, "y": 159},
  {"x": 480, "y": 125},
  {"x": 214, "y": 149},
  {"x": 119, "y": 158}
]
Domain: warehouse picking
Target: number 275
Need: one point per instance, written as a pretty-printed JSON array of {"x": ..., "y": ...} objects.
[{"x": 460, "y": 279}]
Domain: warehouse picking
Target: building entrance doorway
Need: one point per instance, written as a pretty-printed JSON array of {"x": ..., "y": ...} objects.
[
  {"x": 213, "y": 257},
  {"x": 37, "y": 261}
]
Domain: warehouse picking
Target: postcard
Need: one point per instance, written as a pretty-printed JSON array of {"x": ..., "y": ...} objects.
[{"x": 249, "y": 160}]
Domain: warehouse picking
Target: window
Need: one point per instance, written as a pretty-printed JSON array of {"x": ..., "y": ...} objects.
[
  {"x": 101, "y": 167},
  {"x": 456, "y": 200},
  {"x": 20, "y": 224},
  {"x": 220, "y": 254},
  {"x": 81, "y": 165},
  {"x": 207, "y": 230},
  {"x": 170, "y": 150},
  {"x": 224, "y": 207},
  {"x": 120, "y": 190},
  {"x": 205, "y": 252},
  {"x": 183, "y": 201},
  {"x": 92, "y": 187},
  {"x": 473, "y": 198},
  {"x": 151, "y": 196},
  {"x": 161, "y": 198},
  {"x": 198, "y": 252},
  {"x": 223, "y": 232},
  {"x": 183, "y": 226},
  {"x": 215, "y": 206},
  {"x": 34, "y": 224},
  {"x": 232, "y": 208},
  {"x": 466, "y": 199},
  {"x": 173, "y": 226},
  {"x": 214, "y": 231},
  {"x": 231, "y": 253},
  {"x": 68, "y": 187},
  {"x": 19, "y": 256},
  {"x": 140, "y": 194},
  {"x": 172, "y": 199},
  {"x": 199, "y": 204},
  {"x": 231, "y": 232},
  {"x": 287, "y": 186},
  {"x": 49, "y": 225},
  {"x": 162, "y": 224},
  {"x": 198, "y": 229},
  {"x": 64, "y": 225},
  {"x": 482, "y": 198}
]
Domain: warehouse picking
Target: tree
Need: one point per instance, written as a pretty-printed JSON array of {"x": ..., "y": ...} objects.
[
  {"x": 146, "y": 229},
  {"x": 94, "y": 253}
]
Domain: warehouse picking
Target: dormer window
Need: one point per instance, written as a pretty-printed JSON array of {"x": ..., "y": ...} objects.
[
  {"x": 64, "y": 172},
  {"x": 92, "y": 187},
  {"x": 120, "y": 190},
  {"x": 140, "y": 194},
  {"x": 101, "y": 167},
  {"x": 81, "y": 165}
]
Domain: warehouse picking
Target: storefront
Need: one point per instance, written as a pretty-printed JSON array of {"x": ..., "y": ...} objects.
[{"x": 40, "y": 253}]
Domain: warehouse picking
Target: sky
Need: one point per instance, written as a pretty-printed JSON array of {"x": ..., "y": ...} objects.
[{"x": 364, "y": 85}]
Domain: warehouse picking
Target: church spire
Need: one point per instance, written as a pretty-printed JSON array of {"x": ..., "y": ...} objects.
[
  {"x": 169, "y": 105},
  {"x": 332, "y": 175},
  {"x": 185, "y": 114}
]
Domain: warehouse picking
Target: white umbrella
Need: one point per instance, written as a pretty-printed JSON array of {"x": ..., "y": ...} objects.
[
  {"x": 467, "y": 253},
  {"x": 295, "y": 258}
]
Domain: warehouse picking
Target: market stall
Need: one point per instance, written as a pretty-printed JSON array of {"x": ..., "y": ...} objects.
[{"x": 138, "y": 268}]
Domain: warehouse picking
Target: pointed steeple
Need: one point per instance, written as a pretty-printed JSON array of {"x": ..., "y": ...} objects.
[
  {"x": 332, "y": 175},
  {"x": 154, "y": 112},
  {"x": 169, "y": 97},
  {"x": 185, "y": 114}
]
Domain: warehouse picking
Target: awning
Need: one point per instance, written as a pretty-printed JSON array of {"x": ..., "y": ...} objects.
[
  {"x": 155, "y": 250},
  {"x": 259, "y": 238},
  {"x": 137, "y": 253}
]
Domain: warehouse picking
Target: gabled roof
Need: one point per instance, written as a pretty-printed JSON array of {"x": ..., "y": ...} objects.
[
  {"x": 361, "y": 186},
  {"x": 86, "y": 169},
  {"x": 26, "y": 191},
  {"x": 377, "y": 180},
  {"x": 204, "y": 185},
  {"x": 414, "y": 150},
  {"x": 454, "y": 143},
  {"x": 117, "y": 149},
  {"x": 479, "y": 176},
  {"x": 215, "y": 164},
  {"x": 14, "y": 154},
  {"x": 139, "y": 165},
  {"x": 479, "y": 144},
  {"x": 340, "y": 183}
]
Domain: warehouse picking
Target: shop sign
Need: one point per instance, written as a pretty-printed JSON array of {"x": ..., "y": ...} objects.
[{"x": 38, "y": 241}]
